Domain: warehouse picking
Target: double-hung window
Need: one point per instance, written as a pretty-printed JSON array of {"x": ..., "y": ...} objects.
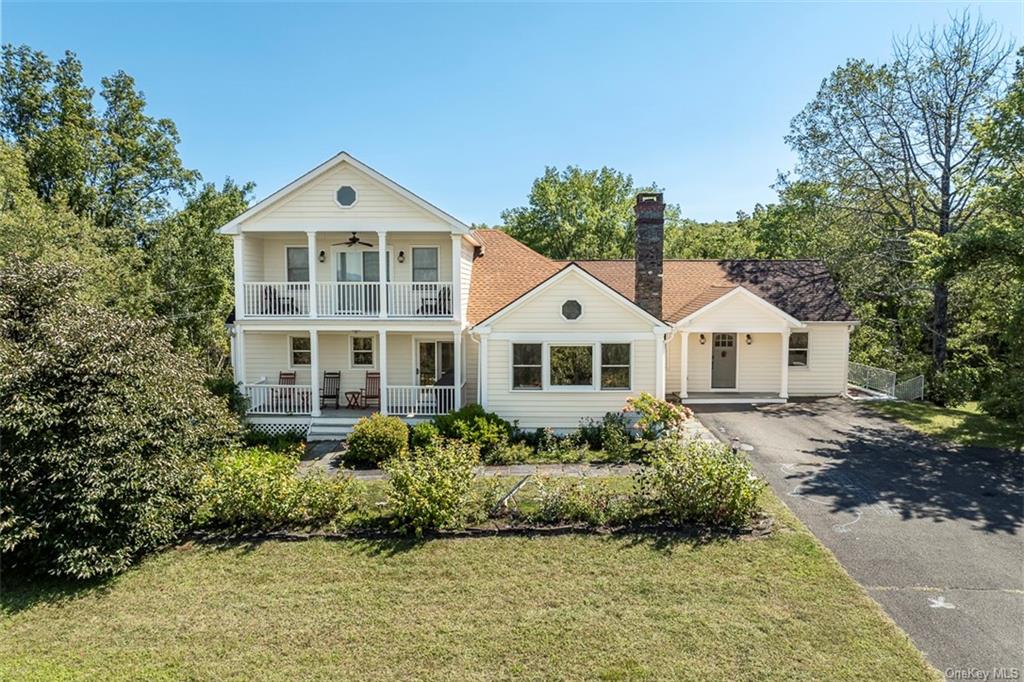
[
  {"x": 362, "y": 351},
  {"x": 297, "y": 263},
  {"x": 615, "y": 366},
  {"x": 299, "y": 351},
  {"x": 527, "y": 366},
  {"x": 799, "y": 349},
  {"x": 424, "y": 264}
]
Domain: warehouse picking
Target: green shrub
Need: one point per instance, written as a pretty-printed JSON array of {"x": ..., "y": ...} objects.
[
  {"x": 225, "y": 387},
  {"x": 104, "y": 429},
  {"x": 611, "y": 434},
  {"x": 511, "y": 453},
  {"x": 431, "y": 488},
  {"x": 423, "y": 434},
  {"x": 376, "y": 439},
  {"x": 655, "y": 416},
  {"x": 698, "y": 482},
  {"x": 259, "y": 488},
  {"x": 577, "y": 500},
  {"x": 475, "y": 425}
]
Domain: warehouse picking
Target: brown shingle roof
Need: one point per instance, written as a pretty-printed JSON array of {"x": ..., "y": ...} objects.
[{"x": 802, "y": 288}]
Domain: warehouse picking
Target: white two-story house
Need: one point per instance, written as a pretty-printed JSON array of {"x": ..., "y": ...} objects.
[{"x": 354, "y": 295}]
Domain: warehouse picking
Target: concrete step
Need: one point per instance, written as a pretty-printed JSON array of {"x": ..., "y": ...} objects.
[{"x": 330, "y": 432}]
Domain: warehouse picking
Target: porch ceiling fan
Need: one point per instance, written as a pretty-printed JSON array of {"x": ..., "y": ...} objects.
[{"x": 352, "y": 241}]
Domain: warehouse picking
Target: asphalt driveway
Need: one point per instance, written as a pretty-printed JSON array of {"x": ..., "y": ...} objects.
[{"x": 934, "y": 532}]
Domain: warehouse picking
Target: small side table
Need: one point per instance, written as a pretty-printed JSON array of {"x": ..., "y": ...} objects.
[{"x": 353, "y": 399}]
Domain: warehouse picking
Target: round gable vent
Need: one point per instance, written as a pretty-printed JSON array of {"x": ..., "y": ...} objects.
[
  {"x": 346, "y": 196},
  {"x": 571, "y": 310}
]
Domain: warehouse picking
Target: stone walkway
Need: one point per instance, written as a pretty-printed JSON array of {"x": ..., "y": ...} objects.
[{"x": 326, "y": 456}]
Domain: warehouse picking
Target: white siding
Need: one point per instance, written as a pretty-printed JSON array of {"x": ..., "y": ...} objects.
[
  {"x": 466, "y": 265},
  {"x": 470, "y": 372},
  {"x": 314, "y": 204},
  {"x": 698, "y": 364},
  {"x": 601, "y": 311},
  {"x": 826, "y": 370},
  {"x": 252, "y": 259},
  {"x": 672, "y": 361},
  {"x": 738, "y": 313}
]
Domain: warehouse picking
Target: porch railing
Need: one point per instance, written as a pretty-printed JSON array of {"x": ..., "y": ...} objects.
[
  {"x": 347, "y": 299},
  {"x": 420, "y": 401},
  {"x": 420, "y": 299},
  {"x": 278, "y": 398},
  {"x": 276, "y": 299}
]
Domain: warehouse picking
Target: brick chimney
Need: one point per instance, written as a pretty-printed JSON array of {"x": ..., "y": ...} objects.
[{"x": 650, "y": 248}]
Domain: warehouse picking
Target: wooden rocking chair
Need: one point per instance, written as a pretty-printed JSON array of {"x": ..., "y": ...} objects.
[
  {"x": 371, "y": 393},
  {"x": 282, "y": 399},
  {"x": 330, "y": 392}
]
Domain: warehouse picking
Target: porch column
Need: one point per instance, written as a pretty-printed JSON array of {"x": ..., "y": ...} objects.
[
  {"x": 382, "y": 346},
  {"x": 311, "y": 244},
  {"x": 239, "y": 354},
  {"x": 481, "y": 373},
  {"x": 314, "y": 371},
  {"x": 457, "y": 344},
  {"x": 784, "y": 386},
  {"x": 684, "y": 357},
  {"x": 659, "y": 365},
  {"x": 457, "y": 276},
  {"x": 239, "y": 247},
  {"x": 382, "y": 267}
]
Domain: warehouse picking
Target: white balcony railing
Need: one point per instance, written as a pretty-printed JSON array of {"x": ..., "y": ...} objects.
[
  {"x": 420, "y": 299},
  {"x": 347, "y": 299},
  {"x": 278, "y": 398},
  {"x": 420, "y": 401},
  {"x": 276, "y": 299}
]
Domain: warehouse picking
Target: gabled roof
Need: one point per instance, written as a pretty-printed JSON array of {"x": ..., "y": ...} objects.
[
  {"x": 803, "y": 289},
  {"x": 333, "y": 162}
]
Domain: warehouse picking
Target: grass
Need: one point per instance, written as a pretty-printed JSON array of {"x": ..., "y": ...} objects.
[
  {"x": 570, "y": 607},
  {"x": 966, "y": 425}
]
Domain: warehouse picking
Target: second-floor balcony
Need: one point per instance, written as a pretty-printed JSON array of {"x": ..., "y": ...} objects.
[{"x": 347, "y": 299}]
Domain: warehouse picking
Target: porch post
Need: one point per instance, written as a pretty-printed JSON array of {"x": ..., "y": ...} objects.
[
  {"x": 239, "y": 354},
  {"x": 239, "y": 247},
  {"x": 382, "y": 345},
  {"x": 311, "y": 244},
  {"x": 457, "y": 277},
  {"x": 382, "y": 267},
  {"x": 784, "y": 386},
  {"x": 457, "y": 343},
  {"x": 314, "y": 371},
  {"x": 684, "y": 357},
  {"x": 659, "y": 365},
  {"x": 481, "y": 372}
]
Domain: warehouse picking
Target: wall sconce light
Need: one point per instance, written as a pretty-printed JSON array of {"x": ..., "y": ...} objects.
[
  {"x": 323, "y": 256},
  {"x": 401, "y": 256},
  {"x": 702, "y": 340},
  {"x": 749, "y": 340}
]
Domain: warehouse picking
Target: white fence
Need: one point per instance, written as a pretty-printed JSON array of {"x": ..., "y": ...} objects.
[
  {"x": 420, "y": 401},
  {"x": 278, "y": 398},
  {"x": 276, "y": 299},
  {"x": 420, "y": 299},
  {"x": 911, "y": 389}
]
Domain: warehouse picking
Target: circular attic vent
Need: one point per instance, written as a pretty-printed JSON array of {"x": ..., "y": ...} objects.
[
  {"x": 571, "y": 310},
  {"x": 346, "y": 196}
]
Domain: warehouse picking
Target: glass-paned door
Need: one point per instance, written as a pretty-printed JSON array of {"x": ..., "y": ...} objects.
[
  {"x": 352, "y": 267},
  {"x": 435, "y": 363}
]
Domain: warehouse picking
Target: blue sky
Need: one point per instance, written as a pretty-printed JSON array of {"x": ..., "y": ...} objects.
[{"x": 465, "y": 104}]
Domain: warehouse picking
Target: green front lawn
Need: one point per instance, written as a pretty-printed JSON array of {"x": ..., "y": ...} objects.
[
  {"x": 578, "y": 607},
  {"x": 966, "y": 425}
]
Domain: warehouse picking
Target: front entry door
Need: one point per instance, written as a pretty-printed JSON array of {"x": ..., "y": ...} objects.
[
  {"x": 723, "y": 361},
  {"x": 435, "y": 359}
]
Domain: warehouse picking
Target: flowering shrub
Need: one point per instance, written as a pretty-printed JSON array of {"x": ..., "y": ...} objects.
[
  {"x": 655, "y": 416},
  {"x": 431, "y": 488},
  {"x": 696, "y": 481}
]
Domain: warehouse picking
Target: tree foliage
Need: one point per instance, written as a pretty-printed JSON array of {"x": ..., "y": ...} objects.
[{"x": 104, "y": 429}]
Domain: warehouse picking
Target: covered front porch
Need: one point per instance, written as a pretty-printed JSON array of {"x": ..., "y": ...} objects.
[{"x": 349, "y": 374}]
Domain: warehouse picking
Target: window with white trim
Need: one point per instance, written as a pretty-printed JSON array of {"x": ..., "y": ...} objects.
[
  {"x": 615, "y": 366},
  {"x": 799, "y": 349},
  {"x": 362, "y": 351},
  {"x": 297, "y": 258},
  {"x": 571, "y": 310},
  {"x": 424, "y": 263},
  {"x": 571, "y": 366},
  {"x": 527, "y": 366},
  {"x": 300, "y": 353}
]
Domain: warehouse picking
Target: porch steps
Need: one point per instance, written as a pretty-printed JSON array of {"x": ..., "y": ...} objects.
[{"x": 331, "y": 428}]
